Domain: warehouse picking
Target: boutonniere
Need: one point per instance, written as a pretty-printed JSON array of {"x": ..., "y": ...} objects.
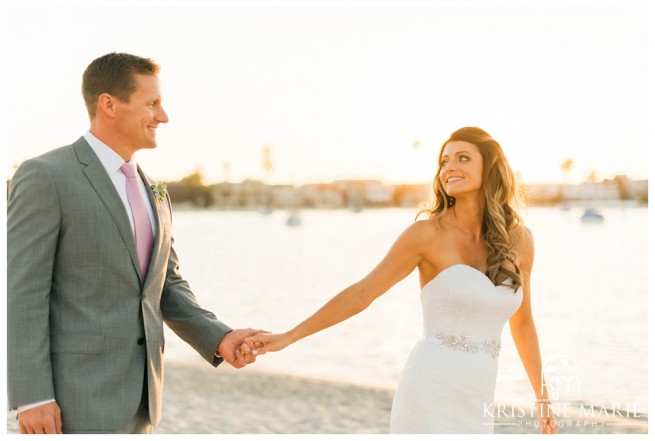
[{"x": 159, "y": 190}]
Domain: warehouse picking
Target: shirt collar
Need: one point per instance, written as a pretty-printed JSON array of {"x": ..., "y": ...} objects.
[{"x": 111, "y": 160}]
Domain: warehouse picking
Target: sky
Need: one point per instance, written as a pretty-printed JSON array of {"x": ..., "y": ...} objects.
[{"x": 349, "y": 91}]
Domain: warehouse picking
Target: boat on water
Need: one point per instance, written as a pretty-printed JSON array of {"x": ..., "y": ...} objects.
[
  {"x": 356, "y": 208},
  {"x": 591, "y": 216},
  {"x": 294, "y": 219},
  {"x": 265, "y": 209}
]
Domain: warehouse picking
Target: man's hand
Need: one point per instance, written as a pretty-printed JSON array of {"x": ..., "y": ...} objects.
[
  {"x": 42, "y": 419},
  {"x": 229, "y": 347}
]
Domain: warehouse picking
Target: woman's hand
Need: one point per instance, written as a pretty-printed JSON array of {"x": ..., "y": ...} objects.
[
  {"x": 271, "y": 342},
  {"x": 263, "y": 343},
  {"x": 547, "y": 420}
]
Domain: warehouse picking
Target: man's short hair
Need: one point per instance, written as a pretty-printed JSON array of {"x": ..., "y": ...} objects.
[{"x": 114, "y": 74}]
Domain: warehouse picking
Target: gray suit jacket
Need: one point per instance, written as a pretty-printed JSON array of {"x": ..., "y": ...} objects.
[{"x": 82, "y": 325}]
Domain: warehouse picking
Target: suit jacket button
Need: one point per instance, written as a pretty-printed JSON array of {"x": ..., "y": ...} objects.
[{"x": 141, "y": 341}]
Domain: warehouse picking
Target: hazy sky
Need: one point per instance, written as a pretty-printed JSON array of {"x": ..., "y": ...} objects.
[{"x": 347, "y": 91}]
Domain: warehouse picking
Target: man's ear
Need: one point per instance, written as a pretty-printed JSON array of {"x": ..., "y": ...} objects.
[{"x": 106, "y": 104}]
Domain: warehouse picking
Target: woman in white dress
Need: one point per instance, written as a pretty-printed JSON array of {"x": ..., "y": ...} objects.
[{"x": 474, "y": 257}]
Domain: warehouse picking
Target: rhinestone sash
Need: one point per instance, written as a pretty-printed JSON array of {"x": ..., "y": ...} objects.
[{"x": 463, "y": 343}]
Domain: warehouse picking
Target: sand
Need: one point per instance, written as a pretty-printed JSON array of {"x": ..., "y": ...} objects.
[{"x": 202, "y": 400}]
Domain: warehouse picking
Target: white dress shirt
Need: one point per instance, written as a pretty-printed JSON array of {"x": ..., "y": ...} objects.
[{"x": 112, "y": 163}]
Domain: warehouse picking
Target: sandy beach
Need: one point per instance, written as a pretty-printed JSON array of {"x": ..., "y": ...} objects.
[{"x": 202, "y": 400}]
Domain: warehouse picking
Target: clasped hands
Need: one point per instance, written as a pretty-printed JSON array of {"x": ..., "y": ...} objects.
[{"x": 242, "y": 346}]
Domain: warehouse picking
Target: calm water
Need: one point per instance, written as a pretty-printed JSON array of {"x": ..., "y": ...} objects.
[{"x": 589, "y": 296}]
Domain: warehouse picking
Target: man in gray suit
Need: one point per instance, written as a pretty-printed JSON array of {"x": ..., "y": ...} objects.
[{"x": 92, "y": 273}]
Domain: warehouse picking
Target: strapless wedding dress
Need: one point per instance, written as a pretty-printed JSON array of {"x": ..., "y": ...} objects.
[{"x": 450, "y": 375}]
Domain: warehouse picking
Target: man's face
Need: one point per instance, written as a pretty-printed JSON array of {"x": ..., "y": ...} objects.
[{"x": 137, "y": 120}]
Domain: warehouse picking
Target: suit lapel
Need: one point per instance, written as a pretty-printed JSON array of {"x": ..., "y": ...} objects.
[{"x": 101, "y": 182}]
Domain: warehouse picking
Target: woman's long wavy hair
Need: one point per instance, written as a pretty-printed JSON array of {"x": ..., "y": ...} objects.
[{"x": 500, "y": 220}]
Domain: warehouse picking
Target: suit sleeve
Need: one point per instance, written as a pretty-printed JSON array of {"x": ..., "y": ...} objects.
[
  {"x": 33, "y": 223},
  {"x": 183, "y": 314}
]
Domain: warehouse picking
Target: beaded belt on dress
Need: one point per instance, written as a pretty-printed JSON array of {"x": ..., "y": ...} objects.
[{"x": 464, "y": 343}]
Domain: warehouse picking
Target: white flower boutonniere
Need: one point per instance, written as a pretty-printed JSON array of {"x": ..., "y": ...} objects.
[{"x": 159, "y": 190}]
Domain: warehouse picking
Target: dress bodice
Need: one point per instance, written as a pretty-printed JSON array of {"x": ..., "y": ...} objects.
[{"x": 463, "y": 300}]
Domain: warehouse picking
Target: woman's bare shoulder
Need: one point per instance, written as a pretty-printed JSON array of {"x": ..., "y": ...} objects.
[
  {"x": 525, "y": 245},
  {"x": 428, "y": 227},
  {"x": 424, "y": 231},
  {"x": 525, "y": 237}
]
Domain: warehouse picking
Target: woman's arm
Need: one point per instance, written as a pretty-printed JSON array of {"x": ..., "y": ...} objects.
[
  {"x": 404, "y": 255},
  {"x": 525, "y": 337}
]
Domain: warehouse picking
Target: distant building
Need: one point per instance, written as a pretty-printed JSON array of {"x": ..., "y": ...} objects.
[
  {"x": 285, "y": 196},
  {"x": 619, "y": 188},
  {"x": 630, "y": 189},
  {"x": 412, "y": 195},
  {"x": 538, "y": 194},
  {"x": 606, "y": 190},
  {"x": 322, "y": 196},
  {"x": 359, "y": 193},
  {"x": 247, "y": 194}
]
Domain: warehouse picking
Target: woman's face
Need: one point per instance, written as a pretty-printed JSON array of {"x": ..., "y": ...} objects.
[{"x": 461, "y": 168}]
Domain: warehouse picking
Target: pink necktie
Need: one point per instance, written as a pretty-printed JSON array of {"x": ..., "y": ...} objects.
[{"x": 142, "y": 225}]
